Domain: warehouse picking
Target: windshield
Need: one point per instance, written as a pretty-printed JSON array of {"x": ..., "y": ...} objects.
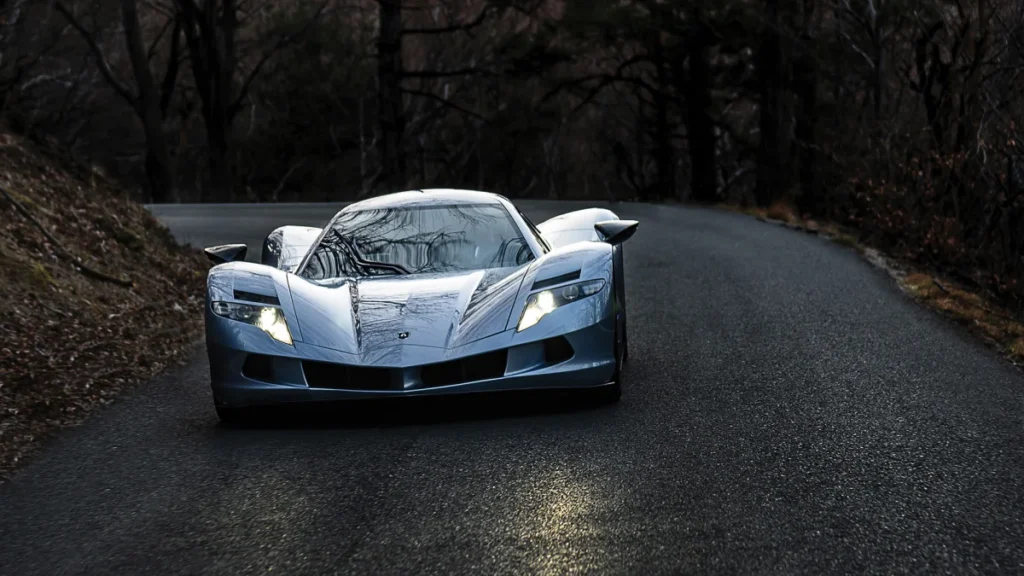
[{"x": 428, "y": 239}]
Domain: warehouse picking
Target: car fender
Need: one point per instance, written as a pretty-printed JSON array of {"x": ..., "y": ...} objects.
[
  {"x": 231, "y": 282},
  {"x": 573, "y": 227},
  {"x": 577, "y": 262}
]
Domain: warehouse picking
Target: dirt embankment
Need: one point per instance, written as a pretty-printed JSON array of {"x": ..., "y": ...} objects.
[{"x": 100, "y": 301}]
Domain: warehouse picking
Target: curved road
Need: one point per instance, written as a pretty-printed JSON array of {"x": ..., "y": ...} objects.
[{"x": 786, "y": 410}]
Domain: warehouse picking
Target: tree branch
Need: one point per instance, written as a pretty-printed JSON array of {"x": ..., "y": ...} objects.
[
  {"x": 446, "y": 73},
  {"x": 284, "y": 179},
  {"x": 606, "y": 80},
  {"x": 159, "y": 36},
  {"x": 101, "y": 60},
  {"x": 443, "y": 101},
  {"x": 243, "y": 92},
  {"x": 480, "y": 18},
  {"x": 170, "y": 79}
]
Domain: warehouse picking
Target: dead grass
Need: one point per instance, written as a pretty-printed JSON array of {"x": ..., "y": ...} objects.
[
  {"x": 847, "y": 240},
  {"x": 748, "y": 210},
  {"x": 782, "y": 212},
  {"x": 981, "y": 315},
  {"x": 1017, "y": 348},
  {"x": 958, "y": 308},
  {"x": 966, "y": 306}
]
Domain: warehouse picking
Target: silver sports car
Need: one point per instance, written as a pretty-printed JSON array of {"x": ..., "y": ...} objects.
[{"x": 425, "y": 292}]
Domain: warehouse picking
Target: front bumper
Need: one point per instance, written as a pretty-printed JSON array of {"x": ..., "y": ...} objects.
[{"x": 591, "y": 364}]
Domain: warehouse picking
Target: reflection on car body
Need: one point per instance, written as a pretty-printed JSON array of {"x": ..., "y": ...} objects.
[{"x": 421, "y": 293}]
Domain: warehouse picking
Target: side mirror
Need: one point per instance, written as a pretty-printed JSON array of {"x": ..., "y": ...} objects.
[
  {"x": 616, "y": 231},
  {"x": 226, "y": 253}
]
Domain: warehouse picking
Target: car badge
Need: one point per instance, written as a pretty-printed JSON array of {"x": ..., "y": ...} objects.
[{"x": 403, "y": 335}]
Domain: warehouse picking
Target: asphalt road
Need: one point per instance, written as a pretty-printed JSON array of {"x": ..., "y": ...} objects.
[{"x": 786, "y": 410}]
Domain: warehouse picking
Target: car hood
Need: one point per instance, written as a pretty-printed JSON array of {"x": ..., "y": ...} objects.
[{"x": 363, "y": 315}]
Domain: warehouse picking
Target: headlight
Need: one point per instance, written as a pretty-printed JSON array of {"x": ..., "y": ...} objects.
[
  {"x": 267, "y": 318},
  {"x": 542, "y": 303}
]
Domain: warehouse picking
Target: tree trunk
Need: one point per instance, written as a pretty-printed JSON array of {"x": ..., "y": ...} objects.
[
  {"x": 878, "y": 79},
  {"x": 970, "y": 99},
  {"x": 664, "y": 153},
  {"x": 389, "y": 94},
  {"x": 218, "y": 129},
  {"x": 211, "y": 47},
  {"x": 221, "y": 177},
  {"x": 806, "y": 88},
  {"x": 700, "y": 126},
  {"x": 769, "y": 164},
  {"x": 159, "y": 171}
]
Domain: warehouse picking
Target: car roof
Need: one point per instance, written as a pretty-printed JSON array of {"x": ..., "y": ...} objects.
[{"x": 435, "y": 196}]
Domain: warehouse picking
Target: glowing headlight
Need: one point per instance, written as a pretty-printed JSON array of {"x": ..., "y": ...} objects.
[
  {"x": 267, "y": 318},
  {"x": 542, "y": 303}
]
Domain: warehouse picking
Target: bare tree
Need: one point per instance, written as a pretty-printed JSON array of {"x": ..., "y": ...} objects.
[
  {"x": 147, "y": 99},
  {"x": 770, "y": 179},
  {"x": 700, "y": 126},
  {"x": 389, "y": 94},
  {"x": 211, "y": 33}
]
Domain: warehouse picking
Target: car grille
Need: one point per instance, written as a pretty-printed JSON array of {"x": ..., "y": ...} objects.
[
  {"x": 344, "y": 377},
  {"x": 468, "y": 369},
  {"x": 485, "y": 366}
]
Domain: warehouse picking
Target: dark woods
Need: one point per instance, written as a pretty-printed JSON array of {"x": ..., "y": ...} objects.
[{"x": 900, "y": 117}]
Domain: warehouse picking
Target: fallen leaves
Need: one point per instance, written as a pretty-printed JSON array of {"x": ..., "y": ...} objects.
[
  {"x": 782, "y": 212},
  {"x": 1017, "y": 348},
  {"x": 982, "y": 315},
  {"x": 72, "y": 343}
]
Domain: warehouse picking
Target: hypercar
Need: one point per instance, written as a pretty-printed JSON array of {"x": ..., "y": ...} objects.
[{"x": 425, "y": 292}]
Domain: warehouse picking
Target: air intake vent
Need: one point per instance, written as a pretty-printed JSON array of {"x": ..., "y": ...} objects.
[
  {"x": 557, "y": 350},
  {"x": 343, "y": 377},
  {"x": 259, "y": 298},
  {"x": 555, "y": 280},
  {"x": 258, "y": 367},
  {"x": 468, "y": 369}
]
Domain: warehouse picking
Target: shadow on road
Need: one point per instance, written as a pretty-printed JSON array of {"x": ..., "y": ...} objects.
[{"x": 394, "y": 412}]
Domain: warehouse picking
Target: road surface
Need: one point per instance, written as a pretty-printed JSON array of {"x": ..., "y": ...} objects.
[{"x": 786, "y": 410}]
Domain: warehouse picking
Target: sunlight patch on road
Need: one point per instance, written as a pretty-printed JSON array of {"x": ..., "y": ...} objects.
[{"x": 563, "y": 523}]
